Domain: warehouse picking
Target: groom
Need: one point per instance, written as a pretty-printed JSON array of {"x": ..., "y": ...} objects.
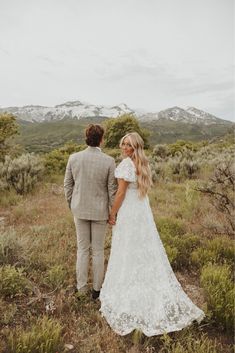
[{"x": 89, "y": 187}]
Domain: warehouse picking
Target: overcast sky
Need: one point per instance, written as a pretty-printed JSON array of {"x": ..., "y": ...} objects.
[{"x": 149, "y": 54}]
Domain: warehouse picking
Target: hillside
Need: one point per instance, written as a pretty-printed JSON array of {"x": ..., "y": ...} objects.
[{"x": 45, "y": 136}]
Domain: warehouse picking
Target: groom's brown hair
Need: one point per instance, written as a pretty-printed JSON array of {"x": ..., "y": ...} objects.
[{"x": 94, "y": 134}]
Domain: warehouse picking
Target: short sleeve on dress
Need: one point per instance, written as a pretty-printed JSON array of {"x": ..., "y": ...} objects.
[{"x": 126, "y": 170}]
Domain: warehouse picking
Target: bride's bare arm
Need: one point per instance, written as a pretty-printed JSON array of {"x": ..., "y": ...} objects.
[{"x": 119, "y": 197}]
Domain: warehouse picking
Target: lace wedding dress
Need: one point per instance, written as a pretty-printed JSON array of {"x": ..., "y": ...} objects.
[{"x": 140, "y": 290}]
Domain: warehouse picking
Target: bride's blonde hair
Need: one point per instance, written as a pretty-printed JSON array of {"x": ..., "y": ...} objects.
[{"x": 143, "y": 171}]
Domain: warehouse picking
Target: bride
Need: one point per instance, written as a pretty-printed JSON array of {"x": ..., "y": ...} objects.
[{"x": 140, "y": 290}]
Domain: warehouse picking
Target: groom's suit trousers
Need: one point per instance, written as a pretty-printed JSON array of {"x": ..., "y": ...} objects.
[{"x": 90, "y": 234}]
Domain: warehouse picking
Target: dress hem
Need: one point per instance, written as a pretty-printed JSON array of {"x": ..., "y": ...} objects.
[{"x": 157, "y": 332}]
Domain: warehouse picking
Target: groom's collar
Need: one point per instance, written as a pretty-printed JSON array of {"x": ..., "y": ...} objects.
[{"x": 94, "y": 148}]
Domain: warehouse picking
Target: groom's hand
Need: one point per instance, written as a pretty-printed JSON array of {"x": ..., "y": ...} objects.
[{"x": 112, "y": 220}]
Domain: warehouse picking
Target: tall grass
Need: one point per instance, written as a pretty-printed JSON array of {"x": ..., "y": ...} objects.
[{"x": 45, "y": 336}]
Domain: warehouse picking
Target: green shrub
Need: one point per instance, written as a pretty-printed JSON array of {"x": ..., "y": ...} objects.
[
  {"x": 55, "y": 277},
  {"x": 8, "y": 129},
  {"x": 158, "y": 169},
  {"x": 188, "y": 168},
  {"x": 55, "y": 161},
  {"x": 12, "y": 282},
  {"x": 179, "y": 248},
  {"x": 202, "y": 256},
  {"x": 116, "y": 128},
  {"x": 183, "y": 147},
  {"x": 11, "y": 248},
  {"x": 182, "y": 167},
  {"x": 160, "y": 152},
  {"x": 45, "y": 336},
  {"x": 172, "y": 253},
  {"x": 216, "y": 251},
  {"x": 217, "y": 283},
  {"x": 170, "y": 227},
  {"x": 185, "y": 245},
  {"x": 21, "y": 173},
  {"x": 178, "y": 245},
  {"x": 174, "y": 165}
]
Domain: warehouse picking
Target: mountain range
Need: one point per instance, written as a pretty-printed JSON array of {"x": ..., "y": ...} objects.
[
  {"x": 82, "y": 110},
  {"x": 45, "y": 128}
]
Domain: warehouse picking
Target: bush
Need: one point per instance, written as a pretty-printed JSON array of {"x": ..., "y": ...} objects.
[
  {"x": 217, "y": 283},
  {"x": 43, "y": 337},
  {"x": 11, "y": 248},
  {"x": 172, "y": 253},
  {"x": 116, "y": 128},
  {"x": 158, "y": 169},
  {"x": 189, "y": 168},
  {"x": 174, "y": 166},
  {"x": 182, "y": 147},
  {"x": 170, "y": 227},
  {"x": 21, "y": 173},
  {"x": 220, "y": 190},
  {"x": 12, "y": 282},
  {"x": 185, "y": 245},
  {"x": 184, "y": 168},
  {"x": 160, "y": 152},
  {"x": 179, "y": 248},
  {"x": 8, "y": 129},
  {"x": 215, "y": 251},
  {"x": 56, "y": 160},
  {"x": 177, "y": 243},
  {"x": 55, "y": 277}
]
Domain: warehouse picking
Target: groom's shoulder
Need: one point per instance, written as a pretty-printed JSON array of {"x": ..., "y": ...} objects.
[
  {"x": 86, "y": 154},
  {"x": 76, "y": 155},
  {"x": 106, "y": 157}
]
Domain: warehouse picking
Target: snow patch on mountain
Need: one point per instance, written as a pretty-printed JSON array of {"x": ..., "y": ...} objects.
[
  {"x": 77, "y": 110},
  {"x": 73, "y": 109}
]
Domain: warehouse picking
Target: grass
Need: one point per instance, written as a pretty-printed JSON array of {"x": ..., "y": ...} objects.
[
  {"x": 219, "y": 289},
  {"x": 43, "y": 336},
  {"x": 13, "y": 282},
  {"x": 41, "y": 240}
]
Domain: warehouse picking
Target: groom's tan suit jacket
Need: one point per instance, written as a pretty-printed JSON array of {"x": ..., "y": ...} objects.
[{"x": 89, "y": 184}]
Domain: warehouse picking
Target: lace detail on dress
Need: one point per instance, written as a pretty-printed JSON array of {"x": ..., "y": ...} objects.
[
  {"x": 140, "y": 290},
  {"x": 126, "y": 170}
]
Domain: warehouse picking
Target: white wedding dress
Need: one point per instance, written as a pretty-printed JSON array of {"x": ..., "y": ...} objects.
[{"x": 140, "y": 290}]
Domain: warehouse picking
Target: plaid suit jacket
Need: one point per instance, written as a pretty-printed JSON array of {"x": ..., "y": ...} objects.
[{"x": 89, "y": 184}]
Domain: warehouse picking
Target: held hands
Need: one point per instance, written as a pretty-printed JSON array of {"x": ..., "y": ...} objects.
[{"x": 112, "y": 219}]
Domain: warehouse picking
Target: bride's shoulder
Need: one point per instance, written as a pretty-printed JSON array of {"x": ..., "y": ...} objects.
[
  {"x": 126, "y": 169},
  {"x": 126, "y": 162}
]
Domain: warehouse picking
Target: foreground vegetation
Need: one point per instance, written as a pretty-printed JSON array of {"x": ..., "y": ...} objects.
[{"x": 193, "y": 206}]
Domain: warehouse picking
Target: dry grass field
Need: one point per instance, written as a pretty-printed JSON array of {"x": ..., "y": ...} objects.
[{"x": 39, "y": 309}]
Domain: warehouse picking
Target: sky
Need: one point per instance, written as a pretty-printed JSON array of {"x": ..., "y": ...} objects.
[{"x": 149, "y": 54}]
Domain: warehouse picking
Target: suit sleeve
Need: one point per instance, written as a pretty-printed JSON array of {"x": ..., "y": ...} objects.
[
  {"x": 68, "y": 183},
  {"x": 112, "y": 183}
]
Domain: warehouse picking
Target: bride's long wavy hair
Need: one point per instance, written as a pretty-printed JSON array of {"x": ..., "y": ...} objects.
[{"x": 143, "y": 171}]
